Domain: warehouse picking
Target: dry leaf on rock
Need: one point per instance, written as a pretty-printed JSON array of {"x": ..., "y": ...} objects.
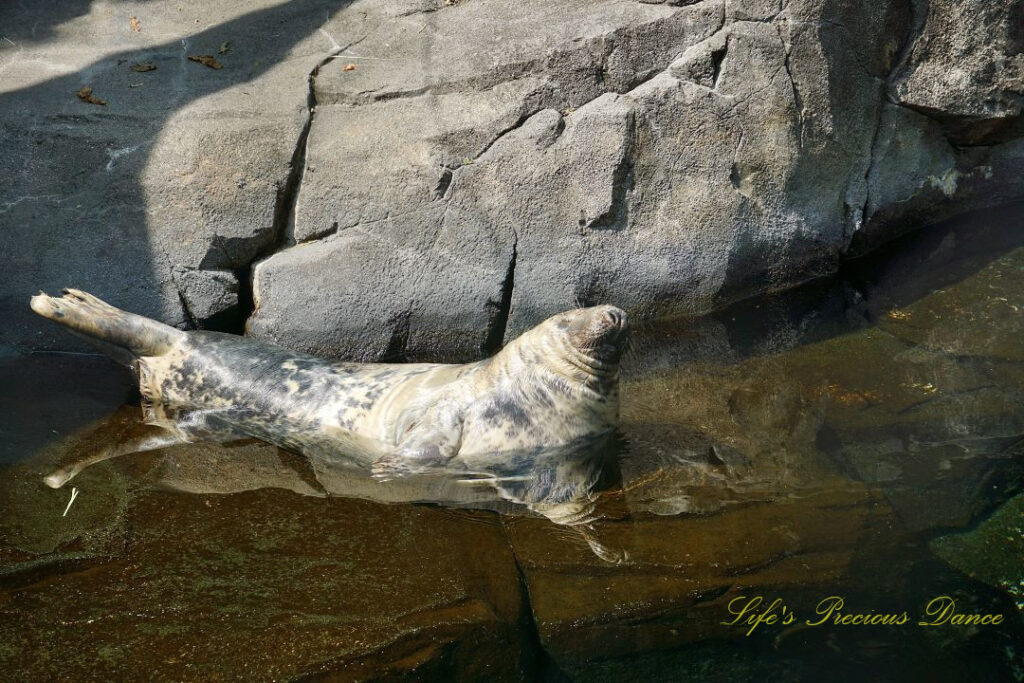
[
  {"x": 206, "y": 60},
  {"x": 85, "y": 94},
  {"x": 134, "y": 23},
  {"x": 349, "y": 67}
]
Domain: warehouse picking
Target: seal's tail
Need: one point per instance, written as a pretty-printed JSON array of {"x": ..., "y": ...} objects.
[{"x": 100, "y": 322}]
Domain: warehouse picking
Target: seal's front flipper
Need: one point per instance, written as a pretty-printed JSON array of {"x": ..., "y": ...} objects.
[
  {"x": 426, "y": 445},
  {"x": 407, "y": 462},
  {"x": 139, "y": 439}
]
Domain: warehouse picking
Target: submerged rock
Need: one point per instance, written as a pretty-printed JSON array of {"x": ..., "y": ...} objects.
[
  {"x": 992, "y": 552},
  {"x": 273, "y": 586}
]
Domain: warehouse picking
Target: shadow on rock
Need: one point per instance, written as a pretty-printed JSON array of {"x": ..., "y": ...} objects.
[{"x": 76, "y": 197}]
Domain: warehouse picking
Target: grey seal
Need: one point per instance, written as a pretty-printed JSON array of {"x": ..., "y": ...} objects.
[{"x": 554, "y": 386}]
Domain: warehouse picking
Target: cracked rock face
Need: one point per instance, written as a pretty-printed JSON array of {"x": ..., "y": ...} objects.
[
  {"x": 966, "y": 68},
  {"x": 416, "y": 179}
]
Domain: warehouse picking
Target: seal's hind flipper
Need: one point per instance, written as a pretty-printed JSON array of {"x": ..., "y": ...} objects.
[
  {"x": 96, "y": 319},
  {"x": 138, "y": 439}
]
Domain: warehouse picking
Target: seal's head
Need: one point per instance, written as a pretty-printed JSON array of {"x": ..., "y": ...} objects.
[
  {"x": 600, "y": 333},
  {"x": 584, "y": 345}
]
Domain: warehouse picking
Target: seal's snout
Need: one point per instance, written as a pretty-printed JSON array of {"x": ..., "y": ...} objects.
[
  {"x": 616, "y": 318},
  {"x": 599, "y": 331},
  {"x": 609, "y": 323}
]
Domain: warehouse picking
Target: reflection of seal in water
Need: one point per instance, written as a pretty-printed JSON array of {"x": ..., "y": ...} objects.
[{"x": 555, "y": 385}]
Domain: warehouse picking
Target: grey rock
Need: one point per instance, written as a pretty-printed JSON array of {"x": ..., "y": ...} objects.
[
  {"x": 206, "y": 293},
  {"x": 425, "y": 301},
  {"x": 432, "y": 234},
  {"x": 423, "y": 179},
  {"x": 668, "y": 176},
  {"x": 584, "y": 48},
  {"x": 966, "y": 68}
]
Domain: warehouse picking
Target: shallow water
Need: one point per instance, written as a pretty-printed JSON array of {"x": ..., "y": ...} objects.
[{"x": 861, "y": 437}]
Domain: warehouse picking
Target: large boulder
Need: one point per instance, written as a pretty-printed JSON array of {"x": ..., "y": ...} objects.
[
  {"x": 666, "y": 159},
  {"x": 428, "y": 178}
]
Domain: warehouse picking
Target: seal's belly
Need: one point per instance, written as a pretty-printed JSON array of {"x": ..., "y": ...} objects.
[{"x": 224, "y": 385}]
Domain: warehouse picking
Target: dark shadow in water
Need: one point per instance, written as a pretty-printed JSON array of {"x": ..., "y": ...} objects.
[
  {"x": 862, "y": 291},
  {"x": 47, "y": 396}
]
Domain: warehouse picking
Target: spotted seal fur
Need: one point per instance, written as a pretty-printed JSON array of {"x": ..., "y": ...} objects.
[{"x": 555, "y": 385}]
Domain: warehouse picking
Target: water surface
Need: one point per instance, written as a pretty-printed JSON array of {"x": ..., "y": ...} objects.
[{"x": 860, "y": 437}]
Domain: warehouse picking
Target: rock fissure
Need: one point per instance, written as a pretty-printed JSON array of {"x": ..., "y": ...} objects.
[
  {"x": 186, "y": 308},
  {"x": 320, "y": 234},
  {"x": 913, "y": 31},
  {"x": 869, "y": 167},
  {"x": 523, "y": 118},
  {"x": 797, "y": 99},
  {"x": 288, "y": 199},
  {"x": 734, "y": 173},
  {"x": 498, "y": 322},
  {"x": 288, "y": 194},
  {"x": 717, "y": 60},
  {"x": 529, "y": 631}
]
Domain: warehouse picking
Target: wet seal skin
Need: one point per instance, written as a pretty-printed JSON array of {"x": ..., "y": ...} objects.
[{"x": 554, "y": 386}]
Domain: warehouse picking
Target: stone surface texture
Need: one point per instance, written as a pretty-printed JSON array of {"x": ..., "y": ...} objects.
[{"x": 426, "y": 179}]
